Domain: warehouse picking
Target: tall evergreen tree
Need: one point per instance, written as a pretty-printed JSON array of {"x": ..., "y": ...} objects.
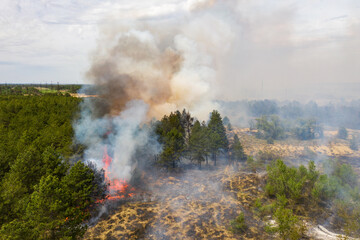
[
  {"x": 173, "y": 148},
  {"x": 187, "y": 122},
  {"x": 237, "y": 150},
  {"x": 197, "y": 143},
  {"x": 217, "y": 136},
  {"x": 171, "y": 135},
  {"x": 207, "y": 142}
]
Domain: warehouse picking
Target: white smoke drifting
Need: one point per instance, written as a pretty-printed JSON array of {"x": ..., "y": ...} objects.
[
  {"x": 119, "y": 135},
  {"x": 143, "y": 69}
]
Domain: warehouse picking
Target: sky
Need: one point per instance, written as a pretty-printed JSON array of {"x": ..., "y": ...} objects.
[{"x": 283, "y": 49}]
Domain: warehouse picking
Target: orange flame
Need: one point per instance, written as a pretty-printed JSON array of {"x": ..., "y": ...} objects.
[{"x": 118, "y": 188}]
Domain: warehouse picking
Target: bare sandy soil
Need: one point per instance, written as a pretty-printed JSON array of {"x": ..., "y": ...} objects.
[{"x": 82, "y": 95}]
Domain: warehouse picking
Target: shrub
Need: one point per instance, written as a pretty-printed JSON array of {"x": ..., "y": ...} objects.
[
  {"x": 263, "y": 209},
  {"x": 253, "y": 164},
  {"x": 287, "y": 224},
  {"x": 289, "y": 181},
  {"x": 270, "y": 128},
  {"x": 238, "y": 225},
  {"x": 308, "y": 129}
]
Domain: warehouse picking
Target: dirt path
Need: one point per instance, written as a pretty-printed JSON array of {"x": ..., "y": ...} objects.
[{"x": 321, "y": 233}]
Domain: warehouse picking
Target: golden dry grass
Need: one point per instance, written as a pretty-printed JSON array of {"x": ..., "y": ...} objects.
[
  {"x": 197, "y": 206},
  {"x": 200, "y": 204}
]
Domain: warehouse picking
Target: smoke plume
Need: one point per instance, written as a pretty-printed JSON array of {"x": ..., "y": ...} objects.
[
  {"x": 168, "y": 63},
  {"x": 145, "y": 68}
]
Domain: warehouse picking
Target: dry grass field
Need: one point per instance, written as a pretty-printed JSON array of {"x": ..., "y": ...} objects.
[{"x": 199, "y": 204}]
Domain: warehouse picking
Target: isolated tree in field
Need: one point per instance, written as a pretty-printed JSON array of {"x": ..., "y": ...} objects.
[
  {"x": 226, "y": 120},
  {"x": 269, "y": 128},
  {"x": 308, "y": 129},
  {"x": 342, "y": 133},
  {"x": 237, "y": 150},
  {"x": 197, "y": 143},
  {"x": 217, "y": 135}
]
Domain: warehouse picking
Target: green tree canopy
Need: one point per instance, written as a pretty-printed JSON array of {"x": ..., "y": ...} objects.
[
  {"x": 42, "y": 194},
  {"x": 197, "y": 142},
  {"x": 237, "y": 150},
  {"x": 217, "y": 135},
  {"x": 270, "y": 128}
]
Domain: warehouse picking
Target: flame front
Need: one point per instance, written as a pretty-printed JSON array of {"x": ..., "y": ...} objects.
[{"x": 117, "y": 188}]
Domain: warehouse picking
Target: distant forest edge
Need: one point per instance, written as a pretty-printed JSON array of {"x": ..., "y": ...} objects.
[
  {"x": 37, "y": 89},
  {"x": 242, "y": 113},
  {"x": 340, "y": 114}
]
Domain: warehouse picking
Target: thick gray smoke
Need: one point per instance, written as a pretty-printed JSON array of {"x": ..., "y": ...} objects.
[
  {"x": 143, "y": 69},
  {"x": 170, "y": 63},
  {"x": 166, "y": 77}
]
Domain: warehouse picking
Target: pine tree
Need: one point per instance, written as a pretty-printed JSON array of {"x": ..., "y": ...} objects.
[
  {"x": 173, "y": 148},
  {"x": 217, "y": 135},
  {"x": 207, "y": 147},
  {"x": 187, "y": 122},
  {"x": 237, "y": 151},
  {"x": 171, "y": 135},
  {"x": 197, "y": 143}
]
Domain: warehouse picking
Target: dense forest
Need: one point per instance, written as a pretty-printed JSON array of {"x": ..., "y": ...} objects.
[{"x": 45, "y": 192}]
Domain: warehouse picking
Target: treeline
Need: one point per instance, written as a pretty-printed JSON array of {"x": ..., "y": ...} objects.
[
  {"x": 184, "y": 137},
  {"x": 44, "y": 194},
  {"x": 274, "y": 128},
  {"x": 336, "y": 115},
  {"x": 37, "y": 89}
]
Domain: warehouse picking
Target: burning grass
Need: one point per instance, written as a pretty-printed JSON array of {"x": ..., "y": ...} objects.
[
  {"x": 200, "y": 205},
  {"x": 117, "y": 188},
  {"x": 191, "y": 205}
]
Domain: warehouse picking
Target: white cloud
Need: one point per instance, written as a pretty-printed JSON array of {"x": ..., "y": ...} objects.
[{"x": 60, "y": 34}]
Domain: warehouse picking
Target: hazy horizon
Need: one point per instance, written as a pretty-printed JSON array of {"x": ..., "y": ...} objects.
[{"x": 295, "y": 50}]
